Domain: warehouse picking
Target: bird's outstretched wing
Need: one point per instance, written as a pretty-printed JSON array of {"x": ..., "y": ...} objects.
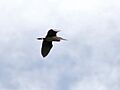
[{"x": 46, "y": 47}]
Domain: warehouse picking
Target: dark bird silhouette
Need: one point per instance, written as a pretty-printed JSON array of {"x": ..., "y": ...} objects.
[{"x": 47, "y": 41}]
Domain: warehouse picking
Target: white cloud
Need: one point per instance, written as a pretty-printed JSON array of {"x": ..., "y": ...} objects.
[
  {"x": 89, "y": 60},
  {"x": 89, "y": 84}
]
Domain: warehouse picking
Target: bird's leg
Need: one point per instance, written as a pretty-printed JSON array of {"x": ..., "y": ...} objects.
[
  {"x": 57, "y": 38},
  {"x": 61, "y": 38}
]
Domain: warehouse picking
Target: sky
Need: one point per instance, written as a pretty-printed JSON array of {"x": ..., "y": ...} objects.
[{"x": 88, "y": 60}]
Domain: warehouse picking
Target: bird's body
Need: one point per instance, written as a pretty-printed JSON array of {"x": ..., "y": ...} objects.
[{"x": 47, "y": 41}]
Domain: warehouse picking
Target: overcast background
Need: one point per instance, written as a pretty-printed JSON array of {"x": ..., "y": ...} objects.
[{"x": 89, "y": 60}]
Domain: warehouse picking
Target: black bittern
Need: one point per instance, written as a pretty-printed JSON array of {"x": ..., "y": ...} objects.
[{"x": 47, "y": 41}]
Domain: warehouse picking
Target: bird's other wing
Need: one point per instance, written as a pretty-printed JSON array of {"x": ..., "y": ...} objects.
[{"x": 46, "y": 47}]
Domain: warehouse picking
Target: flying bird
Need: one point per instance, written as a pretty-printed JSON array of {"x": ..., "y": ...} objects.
[{"x": 47, "y": 41}]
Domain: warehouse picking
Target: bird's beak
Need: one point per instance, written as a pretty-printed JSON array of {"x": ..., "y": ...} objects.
[{"x": 57, "y": 30}]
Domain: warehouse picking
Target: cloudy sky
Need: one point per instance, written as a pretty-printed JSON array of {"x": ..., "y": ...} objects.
[{"x": 89, "y": 60}]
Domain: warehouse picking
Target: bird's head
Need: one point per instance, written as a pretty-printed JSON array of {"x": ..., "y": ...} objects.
[{"x": 54, "y": 30}]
